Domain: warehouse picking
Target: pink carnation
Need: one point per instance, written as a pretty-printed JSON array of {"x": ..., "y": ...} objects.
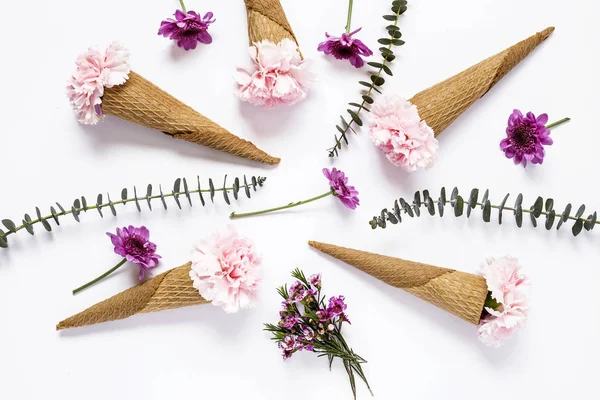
[
  {"x": 278, "y": 75},
  {"x": 95, "y": 71},
  {"x": 511, "y": 289},
  {"x": 226, "y": 270},
  {"x": 398, "y": 131}
]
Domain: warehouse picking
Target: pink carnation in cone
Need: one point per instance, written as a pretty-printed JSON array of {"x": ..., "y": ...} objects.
[
  {"x": 226, "y": 270},
  {"x": 95, "y": 71},
  {"x": 398, "y": 131},
  {"x": 278, "y": 75},
  {"x": 511, "y": 290}
]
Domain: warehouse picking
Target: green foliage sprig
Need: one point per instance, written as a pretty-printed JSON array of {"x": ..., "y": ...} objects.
[
  {"x": 375, "y": 76},
  {"x": 180, "y": 188},
  {"x": 458, "y": 203}
]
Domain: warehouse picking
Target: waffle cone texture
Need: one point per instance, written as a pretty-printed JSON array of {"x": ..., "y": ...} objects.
[
  {"x": 442, "y": 103},
  {"x": 140, "y": 101},
  {"x": 267, "y": 21},
  {"x": 459, "y": 293},
  {"x": 171, "y": 289}
]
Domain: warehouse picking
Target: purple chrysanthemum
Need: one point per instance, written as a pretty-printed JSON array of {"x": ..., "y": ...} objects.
[
  {"x": 338, "y": 181},
  {"x": 187, "y": 29},
  {"x": 346, "y": 48},
  {"x": 134, "y": 245},
  {"x": 525, "y": 138}
]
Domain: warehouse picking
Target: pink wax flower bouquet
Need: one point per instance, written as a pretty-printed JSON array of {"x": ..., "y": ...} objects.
[{"x": 307, "y": 323}]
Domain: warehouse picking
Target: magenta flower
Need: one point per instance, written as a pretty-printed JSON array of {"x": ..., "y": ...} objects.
[
  {"x": 338, "y": 181},
  {"x": 187, "y": 29},
  {"x": 346, "y": 48},
  {"x": 134, "y": 245},
  {"x": 525, "y": 138}
]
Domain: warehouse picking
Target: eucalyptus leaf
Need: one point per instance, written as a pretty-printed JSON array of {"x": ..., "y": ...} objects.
[
  {"x": 577, "y": 227},
  {"x": 487, "y": 211},
  {"x": 550, "y": 219},
  {"x": 202, "y": 197},
  {"x": 135, "y": 198},
  {"x": 533, "y": 220},
  {"x": 186, "y": 190},
  {"x": 212, "y": 189},
  {"x": 458, "y": 206},
  {"x": 9, "y": 225}
]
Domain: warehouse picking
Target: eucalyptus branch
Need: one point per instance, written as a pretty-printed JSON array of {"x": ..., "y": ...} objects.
[
  {"x": 393, "y": 39},
  {"x": 458, "y": 203},
  {"x": 180, "y": 188}
]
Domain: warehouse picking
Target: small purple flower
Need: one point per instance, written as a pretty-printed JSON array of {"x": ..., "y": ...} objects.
[
  {"x": 336, "y": 306},
  {"x": 308, "y": 333},
  {"x": 345, "y": 318},
  {"x": 295, "y": 288},
  {"x": 187, "y": 29},
  {"x": 291, "y": 321},
  {"x": 338, "y": 181},
  {"x": 525, "y": 138},
  {"x": 315, "y": 280},
  {"x": 289, "y": 343},
  {"x": 323, "y": 315},
  {"x": 134, "y": 245},
  {"x": 346, "y": 48}
]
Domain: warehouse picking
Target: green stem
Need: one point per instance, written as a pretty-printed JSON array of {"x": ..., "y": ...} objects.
[
  {"x": 349, "y": 20},
  {"x": 299, "y": 203},
  {"x": 182, "y": 6},
  {"x": 94, "y": 207},
  {"x": 557, "y": 123},
  {"x": 98, "y": 279}
]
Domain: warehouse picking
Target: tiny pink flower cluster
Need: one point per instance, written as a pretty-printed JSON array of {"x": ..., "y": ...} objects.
[{"x": 96, "y": 70}]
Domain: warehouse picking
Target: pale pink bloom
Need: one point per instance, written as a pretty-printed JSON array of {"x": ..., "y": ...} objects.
[
  {"x": 95, "y": 71},
  {"x": 226, "y": 270},
  {"x": 398, "y": 131},
  {"x": 511, "y": 289},
  {"x": 278, "y": 75}
]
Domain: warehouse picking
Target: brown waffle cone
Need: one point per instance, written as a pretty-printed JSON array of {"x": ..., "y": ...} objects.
[
  {"x": 171, "y": 289},
  {"x": 267, "y": 21},
  {"x": 442, "y": 103},
  {"x": 139, "y": 100},
  {"x": 459, "y": 293}
]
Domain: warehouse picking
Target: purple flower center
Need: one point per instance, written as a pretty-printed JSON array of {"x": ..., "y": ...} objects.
[
  {"x": 191, "y": 30},
  {"x": 341, "y": 51},
  {"x": 523, "y": 138},
  {"x": 136, "y": 246}
]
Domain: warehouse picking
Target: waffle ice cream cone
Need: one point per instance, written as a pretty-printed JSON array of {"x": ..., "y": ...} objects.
[
  {"x": 267, "y": 21},
  {"x": 459, "y": 293},
  {"x": 171, "y": 289},
  {"x": 139, "y": 100},
  {"x": 442, "y": 103}
]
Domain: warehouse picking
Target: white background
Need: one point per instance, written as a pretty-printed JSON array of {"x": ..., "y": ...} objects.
[{"x": 415, "y": 351}]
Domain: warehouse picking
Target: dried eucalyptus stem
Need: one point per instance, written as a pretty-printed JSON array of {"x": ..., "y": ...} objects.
[
  {"x": 457, "y": 202},
  {"x": 81, "y": 205}
]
